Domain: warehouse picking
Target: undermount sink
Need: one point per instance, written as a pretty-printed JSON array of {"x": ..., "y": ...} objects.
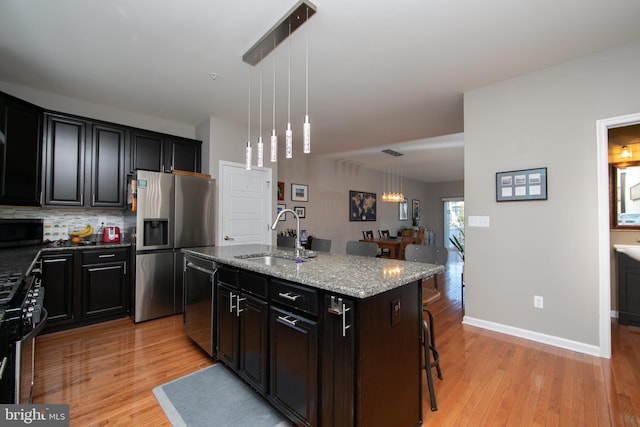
[
  {"x": 272, "y": 260},
  {"x": 632, "y": 251}
]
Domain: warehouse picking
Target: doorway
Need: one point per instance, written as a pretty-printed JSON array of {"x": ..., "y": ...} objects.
[
  {"x": 604, "y": 243},
  {"x": 453, "y": 222}
]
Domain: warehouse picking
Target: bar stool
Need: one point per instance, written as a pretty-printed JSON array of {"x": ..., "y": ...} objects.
[{"x": 429, "y": 343}]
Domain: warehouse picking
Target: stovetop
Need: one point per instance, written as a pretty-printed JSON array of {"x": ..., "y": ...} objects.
[{"x": 9, "y": 284}]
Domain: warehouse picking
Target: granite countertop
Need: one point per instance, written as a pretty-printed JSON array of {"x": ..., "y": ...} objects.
[
  {"x": 351, "y": 275},
  {"x": 21, "y": 260}
]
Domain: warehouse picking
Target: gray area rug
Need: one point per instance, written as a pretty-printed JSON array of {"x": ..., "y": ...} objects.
[{"x": 215, "y": 397}]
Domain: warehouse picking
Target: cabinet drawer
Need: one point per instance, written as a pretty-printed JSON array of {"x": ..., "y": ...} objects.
[
  {"x": 104, "y": 256},
  {"x": 294, "y": 296},
  {"x": 228, "y": 275},
  {"x": 254, "y": 283}
]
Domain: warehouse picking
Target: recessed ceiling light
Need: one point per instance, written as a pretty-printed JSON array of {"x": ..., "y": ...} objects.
[{"x": 213, "y": 76}]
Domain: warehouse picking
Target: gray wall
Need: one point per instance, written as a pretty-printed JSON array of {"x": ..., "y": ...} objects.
[{"x": 546, "y": 248}]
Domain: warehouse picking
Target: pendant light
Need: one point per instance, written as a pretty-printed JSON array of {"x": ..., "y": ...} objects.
[
  {"x": 274, "y": 137},
  {"x": 392, "y": 180},
  {"x": 247, "y": 157},
  {"x": 288, "y": 135},
  {"x": 260, "y": 155},
  {"x": 306, "y": 128}
]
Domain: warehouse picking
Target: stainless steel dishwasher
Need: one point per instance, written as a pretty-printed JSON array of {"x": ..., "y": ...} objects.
[{"x": 198, "y": 315}]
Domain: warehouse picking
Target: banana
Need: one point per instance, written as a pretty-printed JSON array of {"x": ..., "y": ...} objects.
[
  {"x": 85, "y": 232},
  {"x": 88, "y": 231}
]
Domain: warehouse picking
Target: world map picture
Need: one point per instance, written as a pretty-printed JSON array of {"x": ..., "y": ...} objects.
[{"x": 362, "y": 206}]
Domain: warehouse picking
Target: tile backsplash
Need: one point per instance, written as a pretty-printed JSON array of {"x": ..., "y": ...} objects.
[{"x": 70, "y": 219}]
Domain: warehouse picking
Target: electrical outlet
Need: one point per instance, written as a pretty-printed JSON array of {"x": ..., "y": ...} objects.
[
  {"x": 395, "y": 312},
  {"x": 538, "y": 301},
  {"x": 102, "y": 220}
]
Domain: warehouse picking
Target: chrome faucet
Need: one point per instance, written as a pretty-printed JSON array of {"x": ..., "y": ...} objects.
[{"x": 299, "y": 248}]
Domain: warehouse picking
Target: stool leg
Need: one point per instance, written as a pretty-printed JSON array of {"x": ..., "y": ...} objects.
[
  {"x": 427, "y": 365},
  {"x": 432, "y": 345}
]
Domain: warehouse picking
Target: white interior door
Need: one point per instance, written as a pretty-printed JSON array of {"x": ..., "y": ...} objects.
[{"x": 244, "y": 205}]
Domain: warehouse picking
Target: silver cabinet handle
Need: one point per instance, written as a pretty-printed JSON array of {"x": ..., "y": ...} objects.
[
  {"x": 111, "y": 267},
  {"x": 288, "y": 320},
  {"x": 339, "y": 308},
  {"x": 231, "y": 306},
  {"x": 106, "y": 256},
  {"x": 228, "y": 238},
  {"x": 344, "y": 320},
  {"x": 5, "y": 362},
  {"x": 238, "y": 309},
  {"x": 289, "y": 296}
]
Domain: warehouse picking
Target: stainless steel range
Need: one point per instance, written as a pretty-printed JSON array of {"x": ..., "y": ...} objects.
[{"x": 22, "y": 315}]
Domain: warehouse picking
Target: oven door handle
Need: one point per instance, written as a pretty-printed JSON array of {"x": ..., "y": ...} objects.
[{"x": 39, "y": 327}]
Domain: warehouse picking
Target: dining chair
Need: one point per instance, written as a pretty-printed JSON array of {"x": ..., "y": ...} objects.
[
  {"x": 405, "y": 239},
  {"x": 420, "y": 237},
  {"x": 286, "y": 241},
  {"x": 362, "y": 248},
  {"x": 384, "y": 234},
  {"x": 321, "y": 245},
  {"x": 367, "y": 234}
]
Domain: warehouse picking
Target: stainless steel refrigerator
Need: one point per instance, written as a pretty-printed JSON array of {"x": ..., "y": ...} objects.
[{"x": 170, "y": 212}]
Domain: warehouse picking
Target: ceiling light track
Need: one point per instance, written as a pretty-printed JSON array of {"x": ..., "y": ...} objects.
[{"x": 298, "y": 15}]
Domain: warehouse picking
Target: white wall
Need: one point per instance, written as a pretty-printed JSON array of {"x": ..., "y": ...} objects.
[
  {"x": 327, "y": 211},
  {"x": 547, "y": 248}
]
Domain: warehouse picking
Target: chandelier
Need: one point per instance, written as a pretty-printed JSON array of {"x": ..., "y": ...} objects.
[
  {"x": 392, "y": 180},
  {"x": 298, "y": 15}
]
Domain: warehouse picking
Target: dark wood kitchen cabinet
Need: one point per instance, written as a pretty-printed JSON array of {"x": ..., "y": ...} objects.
[
  {"x": 242, "y": 325},
  {"x": 58, "y": 280},
  {"x": 338, "y": 361},
  {"x": 85, "y": 286},
  {"x": 85, "y": 163},
  {"x": 158, "y": 152},
  {"x": 104, "y": 283},
  {"x": 628, "y": 290},
  {"x": 20, "y": 152}
]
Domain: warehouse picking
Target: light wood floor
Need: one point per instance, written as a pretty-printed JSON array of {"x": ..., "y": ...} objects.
[{"x": 106, "y": 373}]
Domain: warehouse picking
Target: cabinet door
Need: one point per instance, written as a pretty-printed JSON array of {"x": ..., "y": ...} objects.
[
  {"x": 107, "y": 171},
  {"x": 628, "y": 291},
  {"x": 147, "y": 152},
  {"x": 182, "y": 154},
  {"x": 57, "y": 280},
  {"x": 65, "y": 151},
  {"x": 227, "y": 325},
  {"x": 20, "y": 161},
  {"x": 294, "y": 365},
  {"x": 338, "y": 362},
  {"x": 254, "y": 326},
  {"x": 103, "y": 290}
]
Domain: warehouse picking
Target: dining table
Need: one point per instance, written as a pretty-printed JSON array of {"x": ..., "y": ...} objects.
[{"x": 393, "y": 245}]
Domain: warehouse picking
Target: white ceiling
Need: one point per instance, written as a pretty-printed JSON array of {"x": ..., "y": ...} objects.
[{"x": 381, "y": 73}]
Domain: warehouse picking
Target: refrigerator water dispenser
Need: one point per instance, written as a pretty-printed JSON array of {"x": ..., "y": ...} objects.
[{"x": 156, "y": 232}]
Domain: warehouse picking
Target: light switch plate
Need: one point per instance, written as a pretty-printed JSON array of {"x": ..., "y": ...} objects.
[{"x": 478, "y": 221}]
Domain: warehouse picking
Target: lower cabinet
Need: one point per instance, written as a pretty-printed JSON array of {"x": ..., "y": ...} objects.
[
  {"x": 628, "y": 290},
  {"x": 242, "y": 325},
  {"x": 104, "y": 283},
  {"x": 294, "y": 366},
  {"x": 58, "y": 281},
  {"x": 85, "y": 286}
]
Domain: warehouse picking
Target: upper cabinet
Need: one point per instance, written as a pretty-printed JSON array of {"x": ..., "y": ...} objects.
[
  {"x": 20, "y": 152},
  {"x": 84, "y": 163},
  {"x": 158, "y": 152}
]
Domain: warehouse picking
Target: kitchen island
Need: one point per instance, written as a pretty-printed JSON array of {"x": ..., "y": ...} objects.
[{"x": 333, "y": 340}]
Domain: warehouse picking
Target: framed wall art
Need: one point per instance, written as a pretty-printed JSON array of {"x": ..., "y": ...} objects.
[
  {"x": 362, "y": 206},
  {"x": 301, "y": 211},
  {"x": 525, "y": 184},
  {"x": 299, "y": 193},
  {"x": 279, "y": 208},
  {"x": 402, "y": 210},
  {"x": 280, "y": 190}
]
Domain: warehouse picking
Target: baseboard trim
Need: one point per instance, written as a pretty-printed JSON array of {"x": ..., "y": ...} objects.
[{"x": 579, "y": 347}]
